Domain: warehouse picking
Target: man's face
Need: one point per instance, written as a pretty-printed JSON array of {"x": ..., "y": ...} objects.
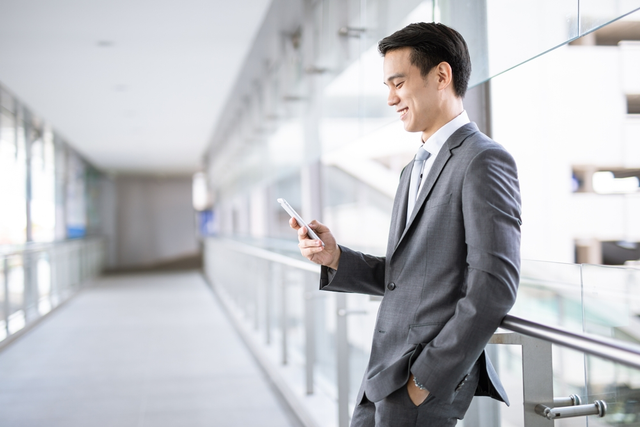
[{"x": 414, "y": 97}]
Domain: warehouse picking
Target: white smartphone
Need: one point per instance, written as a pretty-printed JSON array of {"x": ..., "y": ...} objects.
[{"x": 301, "y": 222}]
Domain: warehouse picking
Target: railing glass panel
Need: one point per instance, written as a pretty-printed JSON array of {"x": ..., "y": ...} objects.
[
  {"x": 35, "y": 278},
  {"x": 549, "y": 293},
  {"x": 321, "y": 340},
  {"x": 612, "y": 301},
  {"x": 619, "y": 387},
  {"x": 595, "y": 299}
]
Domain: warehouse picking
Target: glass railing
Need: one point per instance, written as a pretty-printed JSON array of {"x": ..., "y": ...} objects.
[
  {"x": 571, "y": 378},
  {"x": 319, "y": 342},
  {"x": 595, "y": 299},
  {"x": 36, "y": 278}
]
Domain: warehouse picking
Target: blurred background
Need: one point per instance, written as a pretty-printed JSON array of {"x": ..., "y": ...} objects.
[{"x": 140, "y": 136}]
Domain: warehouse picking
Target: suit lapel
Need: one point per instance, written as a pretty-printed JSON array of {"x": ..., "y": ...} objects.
[
  {"x": 441, "y": 161},
  {"x": 399, "y": 213}
]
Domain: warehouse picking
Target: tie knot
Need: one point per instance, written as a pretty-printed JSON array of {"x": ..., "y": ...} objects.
[{"x": 422, "y": 154}]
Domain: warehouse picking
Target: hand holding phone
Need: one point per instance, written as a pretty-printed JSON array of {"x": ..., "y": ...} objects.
[{"x": 292, "y": 212}]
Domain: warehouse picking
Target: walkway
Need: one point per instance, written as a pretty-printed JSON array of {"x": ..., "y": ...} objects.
[{"x": 146, "y": 350}]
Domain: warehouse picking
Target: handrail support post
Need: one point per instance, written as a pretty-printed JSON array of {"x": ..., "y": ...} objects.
[{"x": 537, "y": 379}]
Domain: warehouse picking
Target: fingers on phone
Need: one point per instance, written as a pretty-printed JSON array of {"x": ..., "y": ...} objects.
[
  {"x": 293, "y": 223},
  {"x": 302, "y": 233},
  {"x": 311, "y": 245}
]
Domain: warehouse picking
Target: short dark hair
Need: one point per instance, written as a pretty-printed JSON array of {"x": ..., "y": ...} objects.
[{"x": 431, "y": 44}]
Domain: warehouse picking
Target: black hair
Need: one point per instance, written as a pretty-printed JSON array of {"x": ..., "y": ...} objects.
[{"x": 432, "y": 43}]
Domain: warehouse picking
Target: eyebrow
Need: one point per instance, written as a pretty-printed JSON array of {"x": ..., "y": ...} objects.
[{"x": 393, "y": 77}]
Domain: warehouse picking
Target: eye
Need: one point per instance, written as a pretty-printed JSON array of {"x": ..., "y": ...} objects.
[{"x": 399, "y": 85}]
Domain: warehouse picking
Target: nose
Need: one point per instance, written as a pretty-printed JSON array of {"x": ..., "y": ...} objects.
[{"x": 392, "y": 99}]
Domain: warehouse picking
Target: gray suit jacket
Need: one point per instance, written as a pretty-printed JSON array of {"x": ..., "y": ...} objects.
[{"x": 448, "y": 278}]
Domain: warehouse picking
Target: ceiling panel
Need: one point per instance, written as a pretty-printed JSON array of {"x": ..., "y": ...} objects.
[{"x": 134, "y": 85}]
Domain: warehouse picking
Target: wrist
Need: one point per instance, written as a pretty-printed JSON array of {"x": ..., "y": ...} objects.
[
  {"x": 336, "y": 261},
  {"x": 418, "y": 384}
]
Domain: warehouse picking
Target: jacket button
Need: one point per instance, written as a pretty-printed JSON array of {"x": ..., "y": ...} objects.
[{"x": 391, "y": 286}]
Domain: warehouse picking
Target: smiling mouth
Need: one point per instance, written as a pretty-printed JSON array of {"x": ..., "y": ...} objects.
[{"x": 403, "y": 112}]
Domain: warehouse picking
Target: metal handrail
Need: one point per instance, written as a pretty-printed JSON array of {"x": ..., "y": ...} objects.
[
  {"x": 271, "y": 256},
  {"x": 9, "y": 250},
  {"x": 624, "y": 353}
]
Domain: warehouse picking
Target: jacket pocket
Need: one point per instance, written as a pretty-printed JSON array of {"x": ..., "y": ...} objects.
[
  {"x": 438, "y": 201},
  {"x": 423, "y": 333}
]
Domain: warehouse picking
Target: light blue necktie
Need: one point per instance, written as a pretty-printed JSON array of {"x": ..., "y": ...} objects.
[{"x": 416, "y": 178}]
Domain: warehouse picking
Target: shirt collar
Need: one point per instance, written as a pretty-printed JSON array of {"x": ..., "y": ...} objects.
[{"x": 437, "y": 140}]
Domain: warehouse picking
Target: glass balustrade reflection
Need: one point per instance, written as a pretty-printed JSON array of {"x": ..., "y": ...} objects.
[
  {"x": 38, "y": 278},
  {"x": 618, "y": 386},
  {"x": 550, "y": 293},
  {"x": 595, "y": 299},
  {"x": 612, "y": 301},
  {"x": 14, "y": 276}
]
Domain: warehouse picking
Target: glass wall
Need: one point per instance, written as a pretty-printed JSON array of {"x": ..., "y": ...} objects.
[
  {"x": 13, "y": 173},
  {"x": 42, "y": 202},
  {"x": 48, "y": 191},
  {"x": 48, "y": 194}
]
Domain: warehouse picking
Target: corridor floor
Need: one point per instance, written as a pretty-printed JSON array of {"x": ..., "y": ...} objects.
[{"x": 141, "y": 350}]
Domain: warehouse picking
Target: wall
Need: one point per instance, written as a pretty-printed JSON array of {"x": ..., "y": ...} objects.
[{"x": 155, "y": 220}]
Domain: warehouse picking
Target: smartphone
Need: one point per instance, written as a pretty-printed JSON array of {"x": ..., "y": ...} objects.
[{"x": 292, "y": 212}]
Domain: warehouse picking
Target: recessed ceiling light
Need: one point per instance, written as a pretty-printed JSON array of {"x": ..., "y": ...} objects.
[{"x": 104, "y": 43}]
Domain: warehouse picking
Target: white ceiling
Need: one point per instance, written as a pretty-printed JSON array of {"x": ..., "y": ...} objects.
[{"x": 134, "y": 85}]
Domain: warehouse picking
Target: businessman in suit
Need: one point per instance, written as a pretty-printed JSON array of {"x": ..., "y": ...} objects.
[{"x": 451, "y": 269}]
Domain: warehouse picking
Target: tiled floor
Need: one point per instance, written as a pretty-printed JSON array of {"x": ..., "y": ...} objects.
[{"x": 145, "y": 350}]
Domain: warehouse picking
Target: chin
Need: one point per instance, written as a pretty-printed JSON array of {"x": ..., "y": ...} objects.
[{"x": 409, "y": 128}]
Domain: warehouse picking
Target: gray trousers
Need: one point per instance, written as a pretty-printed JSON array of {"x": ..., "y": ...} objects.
[{"x": 397, "y": 409}]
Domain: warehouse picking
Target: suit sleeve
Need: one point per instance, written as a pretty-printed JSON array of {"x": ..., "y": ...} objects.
[
  {"x": 491, "y": 217},
  {"x": 357, "y": 273}
]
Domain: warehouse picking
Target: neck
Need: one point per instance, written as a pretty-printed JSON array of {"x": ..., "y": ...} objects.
[{"x": 448, "y": 111}]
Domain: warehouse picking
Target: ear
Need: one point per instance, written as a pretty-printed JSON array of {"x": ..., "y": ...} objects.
[{"x": 444, "y": 75}]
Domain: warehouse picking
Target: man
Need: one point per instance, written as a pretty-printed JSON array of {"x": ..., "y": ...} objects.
[{"x": 451, "y": 269}]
